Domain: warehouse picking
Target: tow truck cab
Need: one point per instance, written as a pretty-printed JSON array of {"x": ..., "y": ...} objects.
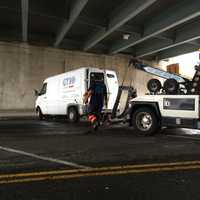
[{"x": 149, "y": 113}]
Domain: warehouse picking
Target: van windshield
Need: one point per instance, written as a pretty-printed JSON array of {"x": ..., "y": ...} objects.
[
  {"x": 96, "y": 76},
  {"x": 43, "y": 89}
]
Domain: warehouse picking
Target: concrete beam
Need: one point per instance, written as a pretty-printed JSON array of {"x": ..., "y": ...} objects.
[
  {"x": 24, "y": 17},
  {"x": 94, "y": 23},
  {"x": 67, "y": 43},
  {"x": 186, "y": 34},
  {"x": 70, "y": 44},
  {"x": 195, "y": 43},
  {"x": 179, "y": 50},
  {"x": 119, "y": 18},
  {"x": 75, "y": 11},
  {"x": 99, "y": 25},
  {"x": 123, "y": 29},
  {"x": 170, "y": 18},
  {"x": 146, "y": 49},
  {"x": 165, "y": 36}
]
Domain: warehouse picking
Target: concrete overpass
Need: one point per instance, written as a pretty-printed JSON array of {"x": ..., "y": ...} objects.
[
  {"x": 43, "y": 38},
  {"x": 154, "y": 28}
]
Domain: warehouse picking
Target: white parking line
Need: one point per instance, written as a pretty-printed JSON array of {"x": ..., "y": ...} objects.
[
  {"x": 185, "y": 137},
  {"x": 54, "y": 160}
]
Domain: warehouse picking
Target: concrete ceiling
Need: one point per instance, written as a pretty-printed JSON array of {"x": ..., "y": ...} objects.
[{"x": 156, "y": 28}]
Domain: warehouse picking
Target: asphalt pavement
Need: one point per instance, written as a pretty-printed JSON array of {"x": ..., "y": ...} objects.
[{"x": 57, "y": 160}]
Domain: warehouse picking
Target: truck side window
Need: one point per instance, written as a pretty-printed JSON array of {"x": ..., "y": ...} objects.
[{"x": 43, "y": 90}]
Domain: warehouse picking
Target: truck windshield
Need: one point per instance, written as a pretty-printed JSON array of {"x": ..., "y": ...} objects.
[{"x": 96, "y": 76}]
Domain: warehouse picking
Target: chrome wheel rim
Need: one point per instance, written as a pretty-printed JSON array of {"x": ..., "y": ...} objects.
[{"x": 144, "y": 121}]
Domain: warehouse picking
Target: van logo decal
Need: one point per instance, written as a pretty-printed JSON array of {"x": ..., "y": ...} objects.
[{"x": 69, "y": 81}]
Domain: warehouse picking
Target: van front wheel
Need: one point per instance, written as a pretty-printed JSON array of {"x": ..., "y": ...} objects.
[
  {"x": 73, "y": 115},
  {"x": 40, "y": 114}
]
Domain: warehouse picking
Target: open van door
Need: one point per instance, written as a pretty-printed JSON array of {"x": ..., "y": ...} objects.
[{"x": 112, "y": 87}]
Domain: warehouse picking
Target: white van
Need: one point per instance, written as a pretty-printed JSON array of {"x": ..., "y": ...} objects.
[{"x": 63, "y": 94}]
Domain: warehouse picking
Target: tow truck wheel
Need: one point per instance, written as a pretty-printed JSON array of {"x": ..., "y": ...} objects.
[
  {"x": 145, "y": 121},
  {"x": 154, "y": 85},
  {"x": 73, "y": 115},
  {"x": 171, "y": 86}
]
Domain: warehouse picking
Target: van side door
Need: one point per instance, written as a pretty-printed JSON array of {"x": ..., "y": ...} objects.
[{"x": 53, "y": 97}]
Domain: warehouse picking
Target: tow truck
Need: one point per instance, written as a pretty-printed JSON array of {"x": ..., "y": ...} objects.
[{"x": 175, "y": 104}]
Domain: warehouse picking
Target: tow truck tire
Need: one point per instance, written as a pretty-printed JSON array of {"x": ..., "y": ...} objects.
[
  {"x": 154, "y": 85},
  {"x": 171, "y": 86},
  {"x": 145, "y": 121},
  {"x": 73, "y": 115}
]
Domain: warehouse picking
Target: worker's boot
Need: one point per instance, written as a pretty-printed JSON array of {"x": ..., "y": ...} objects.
[
  {"x": 95, "y": 125},
  {"x": 94, "y": 122}
]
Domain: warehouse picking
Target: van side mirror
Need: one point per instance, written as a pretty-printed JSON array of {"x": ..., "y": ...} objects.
[{"x": 36, "y": 93}]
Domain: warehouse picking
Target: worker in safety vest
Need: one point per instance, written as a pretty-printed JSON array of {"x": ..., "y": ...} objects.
[{"x": 96, "y": 97}]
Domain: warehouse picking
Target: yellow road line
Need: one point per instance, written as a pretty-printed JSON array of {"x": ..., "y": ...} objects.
[
  {"x": 98, "y": 169},
  {"x": 110, "y": 168},
  {"x": 103, "y": 173}
]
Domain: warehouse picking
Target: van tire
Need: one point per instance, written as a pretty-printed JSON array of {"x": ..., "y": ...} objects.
[
  {"x": 40, "y": 114},
  {"x": 73, "y": 115},
  {"x": 145, "y": 121}
]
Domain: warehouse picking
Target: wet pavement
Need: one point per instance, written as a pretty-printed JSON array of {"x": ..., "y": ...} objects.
[{"x": 44, "y": 159}]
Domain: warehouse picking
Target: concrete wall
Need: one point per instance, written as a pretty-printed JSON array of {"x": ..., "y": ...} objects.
[{"x": 23, "y": 68}]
